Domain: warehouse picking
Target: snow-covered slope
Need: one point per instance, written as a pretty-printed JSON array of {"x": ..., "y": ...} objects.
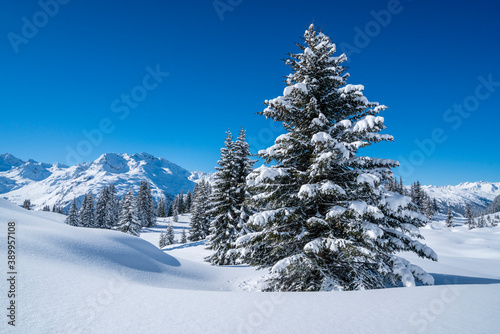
[
  {"x": 494, "y": 206},
  {"x": 79, "y": 280},
  {"x": 198, "y": 176},
  {"x": 46, "y": 184},
  {"x": 477, "y": 194}
]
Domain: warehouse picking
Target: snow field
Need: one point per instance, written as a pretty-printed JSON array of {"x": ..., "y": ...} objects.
[{"x": 80, "y": 280}]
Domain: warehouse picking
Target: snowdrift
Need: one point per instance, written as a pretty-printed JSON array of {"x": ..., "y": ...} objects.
[{"x": 77, "y": 280}]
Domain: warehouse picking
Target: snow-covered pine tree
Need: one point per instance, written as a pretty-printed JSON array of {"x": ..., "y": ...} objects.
[
  {"x": 189, "y": 201},
  {"x": 180, "y": 203},
  {"x": 200, "y": 207},
  {"x": 470, "y": 219},
  {"x": 170, "y": 211},
  {"x": 129, "y": 222},
  {"x": 87, "y": 212},
  {"x": 488, "y": 221},
  {"x": 143, "y": 204},
  {"x": 417, "y": 194},
  {"x": 101, "y": 208},
  {"x": 162, "y": 208},
  {"x": 27, "y": 204},
  {"x": 183, "y": 236},
  {"x": 496, "y": 221},
  {"x": 151, "y": 212},
  {"x": 244, "y": 167},
  {"x": 72, "y": 218},
  {"x": 170, "y": 237},
  {"x": 161, "y": 241},
  {"x": 401, "y": 189},
  {"x": 175, "y": 205},
  {"x": 481, "y": 222},
  {"x": 449, "y": 219},
  {"x": 225, "y": 200},
  {"x": 112, "y": 215},
  {"x": 324, "y": 221},
  {"x": 427, "y": 206},
  {"x": 435, "y": 206}
]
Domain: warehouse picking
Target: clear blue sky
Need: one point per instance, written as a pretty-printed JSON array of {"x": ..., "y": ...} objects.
[{"x": 70, "y": 73}]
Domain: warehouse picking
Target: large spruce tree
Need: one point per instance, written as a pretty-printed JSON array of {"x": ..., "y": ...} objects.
[{"x": 324, "y": 221}]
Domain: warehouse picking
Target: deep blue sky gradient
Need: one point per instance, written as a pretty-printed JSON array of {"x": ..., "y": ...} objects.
[{"x": 426, "y": 59}]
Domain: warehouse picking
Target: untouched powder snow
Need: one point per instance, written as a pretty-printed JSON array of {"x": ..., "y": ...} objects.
[{"x": 78, "y": 280}]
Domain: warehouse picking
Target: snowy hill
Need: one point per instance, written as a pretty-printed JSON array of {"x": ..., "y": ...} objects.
[
  {"x": 46, "y": 184},
  {"x": 80, "y": 280},
  {"x": 478, "y": 194}
]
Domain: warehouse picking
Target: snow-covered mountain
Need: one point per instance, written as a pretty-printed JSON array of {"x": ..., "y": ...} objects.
[
  {"x": 478, "y": 194},
  {"x": 46, "y": 184},
  {"x": 198, "y": 176}
]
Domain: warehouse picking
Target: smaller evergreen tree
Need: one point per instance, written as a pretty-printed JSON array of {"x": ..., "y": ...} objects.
[
  {"x": 72, "y": 218},
  {"x": 46, "y": 208},
  {"x": 162, "y": 208},
  {"x": 427, "y": 206},
  {"x": 27, "y": 204},
  {"x": 129, "y": 222},
  {"x": 112, "y": 213},
  {"x": 435, "y": 205},
  {"x": 449, "y": 219},
  {"x": 180, "y": 203},
  {"x": 101, "y": 207},
  {"x": 170, "y": 211},
  {"x": 170, "y": 237},
  {"x": 470, "y": 219},
  {"x": 162, "y": 240},
  {"x": 200, "y": 218},
  {"x": 480, "y": 221},
  {"x": 183, "y": 236},
  {"x": 87, "y": 213},
  {"x": 146, "y": 210},
  {"x": 188, "y": 203}
]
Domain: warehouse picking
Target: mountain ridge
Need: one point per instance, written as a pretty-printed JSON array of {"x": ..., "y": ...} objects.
[{"x": 57, "y": 184}]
